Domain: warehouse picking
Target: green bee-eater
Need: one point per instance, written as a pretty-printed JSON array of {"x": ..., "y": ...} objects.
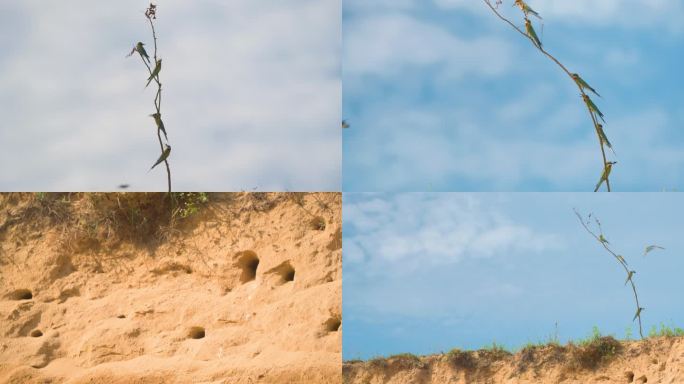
[
  {"x": 160, "y": 123},
  {"x": 526, "y": 8},
  {"x": 605, "y": 174},
  {"x": 164, "y": 156},
  {"x": 583, "y": 84},
  {"x": 622, "y": 259},
  {"x": 629, "y": 276},
  {"x": 604, "y": 138},
  {"x": 140, "y": 48},
  {"x": 638, "y": 313},
  {"x": 155, "y": 72},
  {"x": 593, "y": 107},
  {"x": 345, "y": 124},
  {"x": 603, "y": 239},
  {"x": 651, "y": 248},
  {"x": 532, "y": 34}
]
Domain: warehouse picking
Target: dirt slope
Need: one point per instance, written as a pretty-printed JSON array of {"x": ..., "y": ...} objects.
[
  {"x": 658, "y": 360},
  {"x": 245, "y": 290}
]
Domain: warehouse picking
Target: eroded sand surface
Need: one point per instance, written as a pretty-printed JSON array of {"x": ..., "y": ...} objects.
[
  {"x": 124, "y": 312},
  {"x": 652, "y": 361}
]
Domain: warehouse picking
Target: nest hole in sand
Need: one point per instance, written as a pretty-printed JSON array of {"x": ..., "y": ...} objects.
[
  {"x": 332, "y": 324},
  {"x": 248, "y": 263},
  {"x": 36, "y": 333},
  {"x": 196, "y": 333},
  {"x": 20, "y": 294},
  {"x": 285, "y": 272},
  {"x": 318, "y": 223}
]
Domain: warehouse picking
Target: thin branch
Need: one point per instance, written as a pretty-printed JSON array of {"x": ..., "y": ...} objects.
[
  {"x": 604, "y": 243},
  {"x": 567, "y": 72},
  {"x": 150, "y": 15}
]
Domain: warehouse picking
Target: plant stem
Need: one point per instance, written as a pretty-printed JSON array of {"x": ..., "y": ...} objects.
[
  {"x": 619, "y": 260},
  {"x": 567, "y": 72},
  {"x": 157, "y": 102}
]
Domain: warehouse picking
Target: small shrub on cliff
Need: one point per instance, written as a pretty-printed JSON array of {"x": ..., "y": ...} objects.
[{"x": 461, "y": 359}]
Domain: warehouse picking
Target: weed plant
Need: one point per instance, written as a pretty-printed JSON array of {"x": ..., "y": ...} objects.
[{"x": 529, "y": 32}]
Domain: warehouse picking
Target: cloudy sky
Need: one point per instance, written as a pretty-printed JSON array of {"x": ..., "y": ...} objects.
[
  {"x": 442, "y": 95},
  {"x": 430, "y": 272},
  {"x": 251, "y": 95}
]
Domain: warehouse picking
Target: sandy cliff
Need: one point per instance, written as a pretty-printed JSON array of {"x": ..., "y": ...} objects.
[
  {"x": 607, "y": 361},
  {"x": 101, "y": 288}
]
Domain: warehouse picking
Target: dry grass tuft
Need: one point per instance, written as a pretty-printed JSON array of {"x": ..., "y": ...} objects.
[{"x": 594, "y": 353}]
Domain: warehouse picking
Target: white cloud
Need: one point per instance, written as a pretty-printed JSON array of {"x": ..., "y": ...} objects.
[
  {"x": 430, "y": 147},
  {"x": 641, "y": 14},
  {"x": 384, "y": 45},
  {"x": 625, "y": 13},
  {"x": 366, "y": 6},
  {"x": 251, "y": 95},
  {"x": 409, "y": 232},
  {"x": 470, "y": 5}
]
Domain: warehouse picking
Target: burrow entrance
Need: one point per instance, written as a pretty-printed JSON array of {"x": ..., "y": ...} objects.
[
  {"x": 36, "y": 333},
  {"x": 333, "y": 324},
  {"x": 317, "y": 223},
  {"x": 196, "y": 333},
  {"x": 284, "y": 272},
  {"x": 20, "y": 294},
  {"x": 248, "y": 263}
]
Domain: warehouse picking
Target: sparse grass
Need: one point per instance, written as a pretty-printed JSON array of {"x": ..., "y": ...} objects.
[
  {"x": 461, "y": 359},
  {"x": 407, "y": 361},
  {"x": 88, "y": 220},
  {"x": 594, "y": 352},
  {"x": 628, "y": 333},
  {"x": 595, "y": 335},
  {"x": 377, "y": 362},
  {"x": 189, "y": 203},
  {"x": 495, "y": 348},
  {"x": 493, "y": 352},
  {"x": 588, "y": 353},
  {"x": 665, "y": 331},
  {"x": 403, "y": 360}
]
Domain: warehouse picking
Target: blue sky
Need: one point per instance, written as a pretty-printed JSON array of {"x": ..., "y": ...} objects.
[
  {"x": 443, "y": 96},
  {"x": 251, "y": 99},
  {"x": 428, "y": 272}
]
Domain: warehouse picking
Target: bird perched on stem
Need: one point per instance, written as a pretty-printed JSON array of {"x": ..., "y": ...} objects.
[
  {"x": 629, "y": 276},
  {"x": 638, "y": 313},
  {"x": 532, "y": 34},
  {"x": 155, "y": 72},
  {"x": 526, "y": 9},
  {"x": 605, "y": 175},
  {"x": 165, "y": 155},
  {"x": 160, "y": 124},
  {"x": 583, "y": 84},
  {"x": 140, "y": 48},
  {"x": 592, "y": 107},
  {"x": 604, "y": 138}
]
